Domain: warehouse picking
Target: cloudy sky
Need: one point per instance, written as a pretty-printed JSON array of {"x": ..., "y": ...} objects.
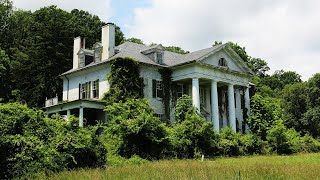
[{"x": 286, "y": 33}]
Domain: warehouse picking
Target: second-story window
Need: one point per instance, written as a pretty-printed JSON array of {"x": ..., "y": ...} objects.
[
  {"x": 160, "y": 58},
  {"x": 157, "y": 87},
  {"x": 85, "y": 90},
  {"x": 95, "y": 89}
]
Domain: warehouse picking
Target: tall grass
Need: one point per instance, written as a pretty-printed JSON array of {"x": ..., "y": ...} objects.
[{"x": 302, "y": 166}]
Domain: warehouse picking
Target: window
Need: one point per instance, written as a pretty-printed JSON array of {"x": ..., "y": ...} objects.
[
  {"x": 159, "y": 58},
  {"x": 179, "y": 90},
  {"x": 157, "y": 87},
  {"x": 95, "y": 89},
  {"x": 88, "y": 60},
  {"x": 85, "y": 90},
  {"x": 222, "y": 62}
]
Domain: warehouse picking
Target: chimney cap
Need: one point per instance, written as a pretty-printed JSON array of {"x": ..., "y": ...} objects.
[{"x": 108, "y": 24}]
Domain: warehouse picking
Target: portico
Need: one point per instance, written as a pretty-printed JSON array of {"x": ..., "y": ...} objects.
[
  {"x": 226, "y": 110},
  {"x": 220, "y": 94}
]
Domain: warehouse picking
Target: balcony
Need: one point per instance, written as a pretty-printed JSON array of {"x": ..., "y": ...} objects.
[{"x": 51, "y": 101}]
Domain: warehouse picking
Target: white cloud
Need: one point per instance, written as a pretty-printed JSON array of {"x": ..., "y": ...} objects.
[
  {"x": 285, "y": 33},
  {"x": 102, "y": 8}
]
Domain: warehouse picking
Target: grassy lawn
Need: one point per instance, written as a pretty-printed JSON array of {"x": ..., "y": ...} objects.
[{"x": 301, "y": 166}]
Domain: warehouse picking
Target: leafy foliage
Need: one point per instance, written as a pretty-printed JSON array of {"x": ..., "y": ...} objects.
[
  {"x": 32, "y": 144},
  {"x": 134, "y": 40},
  {"x": 264, "y": 112},
  {"x": 133, "y": 130},
  {"x": 124, "y": 80},
  {"x": 37, "y": 43},
  {"x": 192, "y": 137},
  {"x": 184, "y": 104}
]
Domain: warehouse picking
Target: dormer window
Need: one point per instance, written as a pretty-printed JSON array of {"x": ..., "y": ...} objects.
[
  {"x": 223, "y": 62},
  {"x": 85, "y": 57},
  {"x": 159, "y": 58}
]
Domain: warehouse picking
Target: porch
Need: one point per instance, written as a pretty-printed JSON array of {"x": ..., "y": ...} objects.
[
  {"x": 88, "y": 111},
  {"x": 222, "y": 102}
]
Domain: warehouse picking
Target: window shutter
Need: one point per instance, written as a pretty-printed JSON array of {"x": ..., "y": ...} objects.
[
  {"x": 154, "y": 88},
  {"x": 79, "y": 91},
  {"x": 141, "y": 94}
]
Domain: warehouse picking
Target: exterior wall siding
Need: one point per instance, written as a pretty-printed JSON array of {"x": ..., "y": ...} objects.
[
  {"x": 81, "y": 77},
  {"x": 147, "y": 72}
]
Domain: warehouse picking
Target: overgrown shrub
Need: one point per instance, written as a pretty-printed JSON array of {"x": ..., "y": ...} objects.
[
  {"x": 132, "y": 129},
  {"x": 283, "y": 140},
  {"x": 228, "y": 144},
  {"x": 252, "y": 144},
  {"x": 33, "y": 144},
  {"x": 192, "y": 136},
  {"x": 184, "y": 104}
]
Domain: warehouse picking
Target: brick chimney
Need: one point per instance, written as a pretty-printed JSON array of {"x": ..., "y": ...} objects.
[
  {"x": 78, "y": 43},
  {"x": 108, "y": 41}
]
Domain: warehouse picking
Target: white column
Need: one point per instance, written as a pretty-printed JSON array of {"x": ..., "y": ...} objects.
[
  {"x": 232, "y": 109},
  {"x": 68, "y": 114},
  {"x": 247, "y": 106},
  {"x": 207, "y": 102},
  {"x": 214, "y": 105},
  {"x": 81, "y": 117},
  {"x": 195, "y": 93},
  {"x": 239, "y": 115}
]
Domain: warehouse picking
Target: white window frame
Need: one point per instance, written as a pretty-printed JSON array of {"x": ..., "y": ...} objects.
[
  {"x": 159, "y": 87},
  {"x": 180, "y": 87},
  {"x": 95, "y": 87},
  {"x": 158, "y": 55}
]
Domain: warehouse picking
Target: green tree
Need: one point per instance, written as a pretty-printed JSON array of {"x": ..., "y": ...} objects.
[
  {"x": 313, "y": 91},
  {"x": 6, "y": 10},
  {"x": 134, "y": 40},
  {"x": 264, "y": 112},
  {"x": 294, "y": 104},
  {"x": 311, "y": 121},
  {"x": 5, "y": 68},
  {"x": 175, "y": 49}
]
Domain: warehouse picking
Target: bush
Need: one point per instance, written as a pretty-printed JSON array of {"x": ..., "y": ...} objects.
[
  {"x": 33, "y": 144},
  {"x": 192, "y": 136},
  {"x": 252, "y": 144},
  {"x": 228, "y": 144},
  {"x": 283, "y": 140},
  {"x": 309, "y": 144},
  {"x": 133, "y": 130}
]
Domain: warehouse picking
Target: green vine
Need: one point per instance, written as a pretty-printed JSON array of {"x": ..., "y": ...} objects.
[
  {"x": 124, "y": 79},
  {"x": 167, "y": 86}
]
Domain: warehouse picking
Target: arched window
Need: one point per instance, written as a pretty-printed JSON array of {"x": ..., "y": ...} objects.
[{"x": 223, "y": 62}]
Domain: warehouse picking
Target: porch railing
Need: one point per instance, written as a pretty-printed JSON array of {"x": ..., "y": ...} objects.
[{"x": 51, "y": 101}]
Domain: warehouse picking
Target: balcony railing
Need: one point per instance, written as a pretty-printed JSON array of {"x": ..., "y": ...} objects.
[{"x": 51, "y": 101}]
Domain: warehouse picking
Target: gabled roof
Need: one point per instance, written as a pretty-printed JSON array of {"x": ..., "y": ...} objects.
[
  {"x": 170, "y": 59},
  {"x": 86, "y": 51}
]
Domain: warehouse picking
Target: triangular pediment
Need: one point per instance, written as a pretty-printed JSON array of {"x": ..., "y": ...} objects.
[{"x": 226, "y": 58}]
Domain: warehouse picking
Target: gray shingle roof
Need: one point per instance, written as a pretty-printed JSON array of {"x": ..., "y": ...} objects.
[{"x": 134, "y": 50}]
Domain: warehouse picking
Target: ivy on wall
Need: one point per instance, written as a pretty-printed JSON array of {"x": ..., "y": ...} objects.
[
  {"x": 124, "y": 79},
  {"x": 167, "y": 87}
]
